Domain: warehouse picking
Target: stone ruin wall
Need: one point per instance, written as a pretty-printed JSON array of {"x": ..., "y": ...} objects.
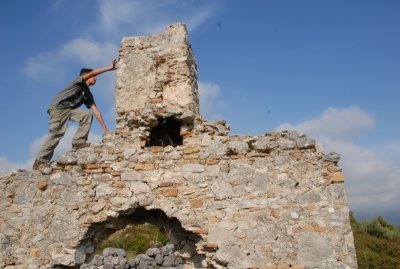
[{"x": 272, "y": 201}]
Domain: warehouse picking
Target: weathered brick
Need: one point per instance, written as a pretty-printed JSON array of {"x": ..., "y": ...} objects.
[
  {"x": 15, "y": 209},
  {"x": 212, "y": 245},
  {"x": 156, "y": 149},
  {"x": 253, "y": 155},
  {"x": 94, "y": 171},
  {"x": 214, "y": 219},
  {"x": 143, "y": 143},
  {"x": 191, "y": 156},
  {"x": 200, "y": 231},
  {"x": 170, "y": 192},
  {"x": 166, "y": 184},
  {"x": 212, "y": 161},
  {"x": 336, "y": 177},
  {"x": 89, "y": 219},
  {"x": 159, "y": 111},
  {"x": 185, "y": 133},
  {"x": 10, "y": 194},
  {"x": 283, "y": 266},
  {"x": 191, "y": 149},
  {"x": 297, "y": 229},
  {"x": 116, "y": 174},
  {"x": 145, "y": 166},
  {"x": 91, "y": 166},
  {"x": 320, "y": 229},
  {"x": 196, "y": 203},
  {"x": 155, "y": 100},
  {"x": 44, "y": 261},
  {"x": 267, "y": 249},
  {"x": 119, "y": 184},
  {"x": 108, "y": 170},
  {"x": 34, "y": 252},
  {"x": 275, "y": 214},
  {"x": 98, "y": 150},
  {"x": 42, "y": 185}
]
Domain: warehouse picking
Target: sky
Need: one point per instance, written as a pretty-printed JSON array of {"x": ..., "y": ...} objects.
[{"x": 329, "y": 69}]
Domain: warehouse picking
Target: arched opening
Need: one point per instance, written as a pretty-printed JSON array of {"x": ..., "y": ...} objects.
[
  {"x": 178, "y": 249},
  {"x": 167, "y": 132}
]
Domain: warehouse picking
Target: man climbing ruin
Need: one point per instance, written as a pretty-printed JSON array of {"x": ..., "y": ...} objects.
[{"x": 65, "y": 107}]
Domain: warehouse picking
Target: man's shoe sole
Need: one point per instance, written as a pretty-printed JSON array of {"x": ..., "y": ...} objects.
[
  {"x": 38, "y": 164},
  {"x": 80, "y": 146}
]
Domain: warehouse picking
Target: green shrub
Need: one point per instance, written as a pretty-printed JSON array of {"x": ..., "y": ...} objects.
[
  {"x": 377, "y": 243},
  {"x": 380, "y": 228}
]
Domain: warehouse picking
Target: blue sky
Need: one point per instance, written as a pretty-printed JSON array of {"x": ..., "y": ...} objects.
[{"x": 330, "y": 69}]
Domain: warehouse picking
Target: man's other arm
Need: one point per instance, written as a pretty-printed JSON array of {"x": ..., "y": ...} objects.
[{"x": 99, "y": 117}]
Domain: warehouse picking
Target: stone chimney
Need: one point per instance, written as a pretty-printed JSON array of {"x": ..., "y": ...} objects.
[{"x": 156, "y": 82}]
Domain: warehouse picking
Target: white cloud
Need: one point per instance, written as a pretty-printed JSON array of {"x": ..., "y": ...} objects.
[
  {"x": 392, "y": 150},
  {"x": 148, "y": 17},
  {"x": 56, "y": 4},
  {"x": 114, "y": 13},
  {"x": 39, "y": 67},
  {"x": 199, "y": 18},
  {"x": 90, "y": 52},
  {"x": 6, "y": 165},
  {"x": 372, "y": 177},
  {"x": 85, "y": 52},
  {"x": 208, "y": 93},
  {"x": 335, "y": 123}
]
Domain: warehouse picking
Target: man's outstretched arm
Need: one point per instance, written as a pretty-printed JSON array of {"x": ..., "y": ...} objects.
[
  {"x": 99, "y": 117},
  {"x": 100, "y": 70}
]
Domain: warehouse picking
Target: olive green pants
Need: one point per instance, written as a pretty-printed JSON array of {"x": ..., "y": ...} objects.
[{"x": 58, "y": 126}]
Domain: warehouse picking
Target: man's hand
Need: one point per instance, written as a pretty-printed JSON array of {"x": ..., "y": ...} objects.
[
  {"x": 113, "y": 64},
  {"x": 99, "y": 117}
]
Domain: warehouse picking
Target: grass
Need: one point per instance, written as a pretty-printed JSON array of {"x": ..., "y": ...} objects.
[{"x": 135, "y": 239}]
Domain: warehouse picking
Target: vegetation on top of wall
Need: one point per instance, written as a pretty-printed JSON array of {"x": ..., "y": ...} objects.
[{"x": 377, "y": 243}]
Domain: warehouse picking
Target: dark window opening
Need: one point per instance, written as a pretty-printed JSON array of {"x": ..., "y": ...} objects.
[{"x": 166, "y": 133}]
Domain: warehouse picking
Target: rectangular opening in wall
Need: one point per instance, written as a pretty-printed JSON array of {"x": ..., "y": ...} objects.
[{"x": 167, "y": 132}]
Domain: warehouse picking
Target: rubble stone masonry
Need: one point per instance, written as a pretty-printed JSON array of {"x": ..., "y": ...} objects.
[{"x": 271, "y": 201}]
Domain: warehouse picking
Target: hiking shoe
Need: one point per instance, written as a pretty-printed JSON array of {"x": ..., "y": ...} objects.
[
  {"x": 80, "y": 146},
  {"x": 37, "y": 164}
]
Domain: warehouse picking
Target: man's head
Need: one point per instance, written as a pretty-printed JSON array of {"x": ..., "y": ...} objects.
[
  {"x": 91, "y": 80},
  {"x": 85, "y": 71}
]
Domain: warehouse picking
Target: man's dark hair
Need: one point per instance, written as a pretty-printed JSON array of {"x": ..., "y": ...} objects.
[{"x": 85, "y": 71}]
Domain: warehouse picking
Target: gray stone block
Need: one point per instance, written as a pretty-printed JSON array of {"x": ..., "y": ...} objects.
[
  {"x": 152, "y": 252},
  {"x": 108, "y": 252}
]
